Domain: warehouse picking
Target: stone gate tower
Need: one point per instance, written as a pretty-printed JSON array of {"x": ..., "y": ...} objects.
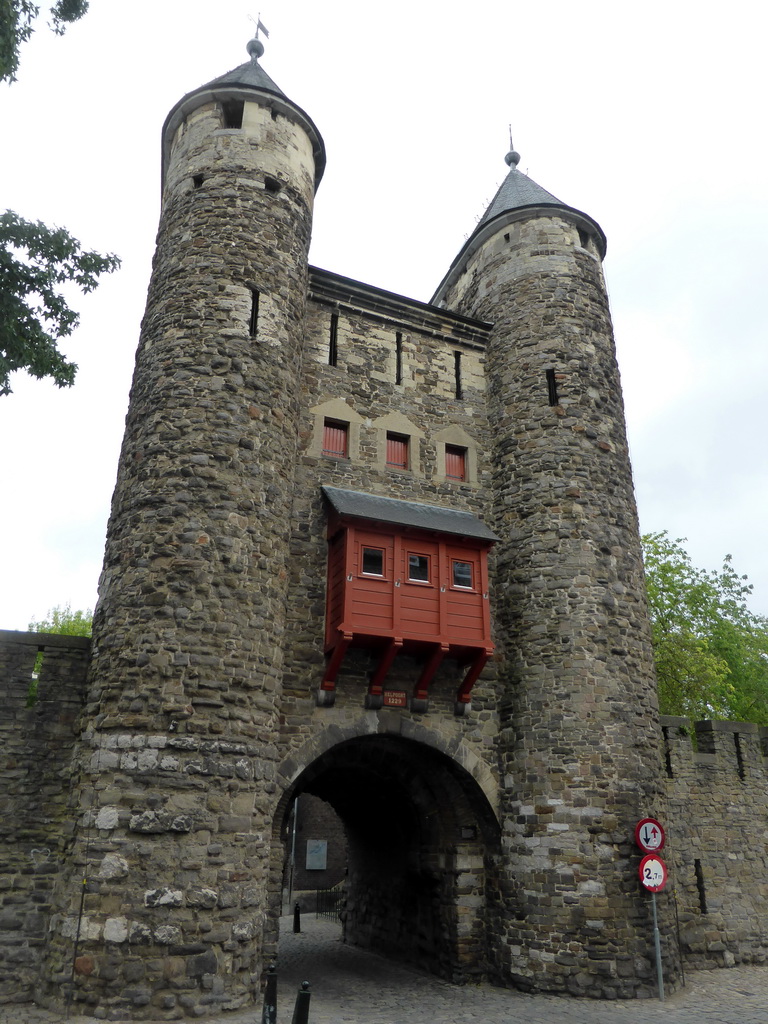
[
  {"x": 188, "y": 633},
  {"x": 301, "y": 592},
  {"x": 578, "y": 691}
]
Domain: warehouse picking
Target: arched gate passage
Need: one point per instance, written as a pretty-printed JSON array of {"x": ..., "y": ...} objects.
[{"x": 423, "y": 847}]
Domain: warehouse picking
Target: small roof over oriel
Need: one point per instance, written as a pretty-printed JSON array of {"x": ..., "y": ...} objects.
[{"x": 359, "y": 505}]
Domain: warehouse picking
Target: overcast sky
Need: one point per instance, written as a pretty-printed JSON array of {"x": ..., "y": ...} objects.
[{"x": 651, "y": 118}]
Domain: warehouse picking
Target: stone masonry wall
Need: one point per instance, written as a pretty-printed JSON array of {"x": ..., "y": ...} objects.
[
  {"x": 179, "y": 757},
  {"x": 717, "y": 838},
  {"x": 36, "y": 741},
  {"x": 577, "y": 693}
]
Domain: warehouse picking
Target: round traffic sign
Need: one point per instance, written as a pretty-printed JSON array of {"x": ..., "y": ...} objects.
[
  {"x": 653, "y": 873},
  {"x": 649, "y": 835}
]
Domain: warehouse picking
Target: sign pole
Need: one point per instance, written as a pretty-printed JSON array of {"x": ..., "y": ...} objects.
[{"x": 657, "y": 944}]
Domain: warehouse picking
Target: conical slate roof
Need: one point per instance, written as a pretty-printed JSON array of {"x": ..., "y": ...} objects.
[
  {"x": 517, "y": 197},
  {"x": 517, "y": 191},
  {"x": 239, "y": 83},
  {"x": 251, "y": 75}
]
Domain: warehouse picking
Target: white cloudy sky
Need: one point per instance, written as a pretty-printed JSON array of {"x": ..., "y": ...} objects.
[{"x": 649, "y": 117}]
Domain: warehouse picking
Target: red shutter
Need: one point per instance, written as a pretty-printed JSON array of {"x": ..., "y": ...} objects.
[
  {"x": 397, "y": 451},
  {"x": 455, "y": 463},
  {"x": 335, "y": 440}
]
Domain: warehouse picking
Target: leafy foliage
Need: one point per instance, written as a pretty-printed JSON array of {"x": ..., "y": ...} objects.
[
  {"x": 64, "y": 621},
  {"x": 17, "y": 25},
  {"x": 34, "y": 261},
  {"x": 711, "y": 651}
]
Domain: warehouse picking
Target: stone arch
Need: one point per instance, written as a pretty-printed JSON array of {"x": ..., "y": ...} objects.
[
  {"x": 372, "y": 723},
  {"x": 422, "y": 839}
]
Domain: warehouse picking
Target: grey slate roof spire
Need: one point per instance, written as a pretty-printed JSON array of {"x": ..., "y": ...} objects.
[
  {"x": 245, "y": 82},
  {"x": 518, "y": 197},
  {"x": 517, "y": 191}
]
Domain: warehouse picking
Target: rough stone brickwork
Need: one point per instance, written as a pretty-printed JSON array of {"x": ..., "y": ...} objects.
[
  {"x": 495, "y": 842},
  {"x": 37, "y": 731},
  {"x": 576, "y": 660},
  {"x": 717, "y": 840},
  {"x": 316, "y": 819}
]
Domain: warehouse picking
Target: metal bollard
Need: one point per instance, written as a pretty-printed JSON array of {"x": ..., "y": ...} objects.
[
  {"x": 296, "y": 919},
  {"x": 301, "y": 1009},
  {"x": 269, "y": 1012}
]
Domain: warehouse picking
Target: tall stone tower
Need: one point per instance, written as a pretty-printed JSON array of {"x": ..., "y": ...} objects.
[
  {"x": 189, "y": 626},
  {"x": 578, "y": 746}
]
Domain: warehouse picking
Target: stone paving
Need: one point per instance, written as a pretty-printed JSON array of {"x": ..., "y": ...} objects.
[{"x": 350, "y": 986}]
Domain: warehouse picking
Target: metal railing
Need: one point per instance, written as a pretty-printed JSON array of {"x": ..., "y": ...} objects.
[{"x": 329, "y": 902}]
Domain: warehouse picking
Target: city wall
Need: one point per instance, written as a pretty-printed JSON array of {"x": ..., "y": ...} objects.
[
  {"x": 716, "y": 776},
  {"x": 42, "y": 689}
]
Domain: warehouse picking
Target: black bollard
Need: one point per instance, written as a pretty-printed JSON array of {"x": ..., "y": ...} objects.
[
  {"x": 296, "y": 919},
  {"x": 301, "y": 1009},
  {"x": 269, "y": 1012}
]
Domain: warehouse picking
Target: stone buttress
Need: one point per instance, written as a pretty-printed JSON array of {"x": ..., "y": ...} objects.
[
  {"x": 579, "y": 737},
  {"x": 177, "y": 760}
]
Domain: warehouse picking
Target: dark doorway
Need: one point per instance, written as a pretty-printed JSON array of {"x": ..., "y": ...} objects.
[{"x": 422, "y": 846}]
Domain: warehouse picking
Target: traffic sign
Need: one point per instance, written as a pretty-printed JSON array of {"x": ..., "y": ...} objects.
[
  {"x": 653, "y": 873},
  {"x": 649, "y": 835}
]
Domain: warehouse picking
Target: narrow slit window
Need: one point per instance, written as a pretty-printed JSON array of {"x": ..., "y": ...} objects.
[
  {"x": 197, "y": 180},
  {"x": 233, "y": 113},
  {"x": 418, "y": 568},
  {"x": 397, "y": 451},
  {"x": 462, "y": 575},
  {"x": 458, "y": 384},
  {"x": 739, "y": 755},
  {"x": 398, "y": 358},
  {"x": 583, "y": 238},
  {"x": 455, "y": 462},
  {"x": 552, "y": 394},
  {"x": 667, "y": 752},
  {"x": 335, "y": 439},
  {"x": 373, "y": 562},
  {"x": 253, "y": 322},
  {"x": 333, "y": 341},
  {"x": 700, "y": 886}
]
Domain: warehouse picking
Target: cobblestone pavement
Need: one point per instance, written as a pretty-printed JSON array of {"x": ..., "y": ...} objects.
[{"x": 350, "y": 986}]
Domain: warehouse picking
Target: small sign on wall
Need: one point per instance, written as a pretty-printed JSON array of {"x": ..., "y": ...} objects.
[
  {"x": 395, "y": 699},
  {"x": 317, "y": 854}
]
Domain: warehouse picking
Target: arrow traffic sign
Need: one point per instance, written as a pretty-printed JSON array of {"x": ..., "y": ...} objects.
[{"x": 649, "y": 835}]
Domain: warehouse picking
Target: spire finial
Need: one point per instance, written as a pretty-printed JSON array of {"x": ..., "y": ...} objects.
[
  {"x": 512, "y": 159},
  {"x": 255, "y": 46}
]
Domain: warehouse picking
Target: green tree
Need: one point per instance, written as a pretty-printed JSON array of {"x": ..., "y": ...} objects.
[
  {"x": 34, "y": 259},
  {"x": 711, "y": 651},
  {"x": 63, "y": 620},
  {"x": 17, "y": 19}
]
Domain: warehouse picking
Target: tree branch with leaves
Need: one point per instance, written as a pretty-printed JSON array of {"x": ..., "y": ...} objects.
[{"x": 711, "y": 651}]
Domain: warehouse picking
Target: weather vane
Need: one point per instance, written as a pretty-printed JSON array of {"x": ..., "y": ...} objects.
[{"x": 260, "y": 26}]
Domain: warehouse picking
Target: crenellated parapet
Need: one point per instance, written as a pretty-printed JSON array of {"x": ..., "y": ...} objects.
[{"x": 717, "y": 847}]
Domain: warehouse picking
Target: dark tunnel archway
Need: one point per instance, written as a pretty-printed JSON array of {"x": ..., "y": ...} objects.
[{"x": 423, "y": 850}]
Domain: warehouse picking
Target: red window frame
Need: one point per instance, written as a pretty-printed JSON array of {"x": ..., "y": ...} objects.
[
  {"x": 455, "y": 462},
  {"x": 415, "y": 579},
  {"x": 368, "y": 572},
  {"x": 336, "y": 439},
  {"x": 397, "y": 450},
  {"x": 463, "y": 586}
]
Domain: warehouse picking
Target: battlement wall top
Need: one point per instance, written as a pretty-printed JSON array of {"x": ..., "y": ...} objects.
[{"x": 731, "y": 750}]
